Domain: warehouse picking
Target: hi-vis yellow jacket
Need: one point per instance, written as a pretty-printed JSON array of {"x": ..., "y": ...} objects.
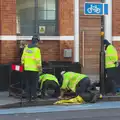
[
  {"x": 49, "y": 77},
  {"x": 31, "y": 59},
  {"x": 71, "y": 79},
  {"x": 111, "y": 57}
]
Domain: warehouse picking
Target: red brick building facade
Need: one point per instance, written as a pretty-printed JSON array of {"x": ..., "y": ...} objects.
[{"x": 53, "y": 46}]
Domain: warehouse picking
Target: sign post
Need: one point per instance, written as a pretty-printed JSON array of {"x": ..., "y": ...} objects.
[
  {"x": 100, "y": 9},
  {"x": 102, "y": 57}
]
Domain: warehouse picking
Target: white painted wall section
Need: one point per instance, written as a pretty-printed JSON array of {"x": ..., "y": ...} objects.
[
  {"x": 108, "y": 22},
  {"x": 14, "y": 37},
  {"x": 76, "y": 30}
]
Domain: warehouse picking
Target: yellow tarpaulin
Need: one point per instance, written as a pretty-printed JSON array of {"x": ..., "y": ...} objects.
[{"x": 76, "y": 100}]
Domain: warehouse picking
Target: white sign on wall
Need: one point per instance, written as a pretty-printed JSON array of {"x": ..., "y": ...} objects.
[{"x": 41, "y": 29}]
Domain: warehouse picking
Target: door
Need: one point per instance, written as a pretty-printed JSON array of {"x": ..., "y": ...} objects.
[{"x": 90, "y": 45}]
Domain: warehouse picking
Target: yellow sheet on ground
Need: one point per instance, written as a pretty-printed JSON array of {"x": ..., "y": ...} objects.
[{"x": 76, "y": 100}]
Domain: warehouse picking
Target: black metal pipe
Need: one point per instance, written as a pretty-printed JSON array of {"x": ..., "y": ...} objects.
[
  {"x": 102, "y": 58},
  {"x": 36, "y": 17}
]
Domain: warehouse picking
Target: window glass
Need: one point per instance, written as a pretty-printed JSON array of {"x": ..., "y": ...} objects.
[
  {"x": 51, "y": 15},
  {"x": 25, "y": 13},
  {"x": 25, "y": 18},
  {"x": 50, "y": 4}
]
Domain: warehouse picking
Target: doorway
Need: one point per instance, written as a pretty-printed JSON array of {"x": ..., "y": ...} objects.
[{"x": 90, "y": 45}]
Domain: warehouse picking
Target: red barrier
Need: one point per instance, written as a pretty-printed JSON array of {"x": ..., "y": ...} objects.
[{"x": 17, "y": 68}]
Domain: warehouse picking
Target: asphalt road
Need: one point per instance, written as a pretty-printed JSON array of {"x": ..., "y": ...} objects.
[
  {"x": 106, "y": 114},
  {"x": 97, "y": 111}
]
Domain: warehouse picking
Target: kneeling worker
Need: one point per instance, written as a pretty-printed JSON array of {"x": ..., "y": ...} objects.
[
  {"x": 49, "y": 85},
  {"x": 77, "y": 83}
]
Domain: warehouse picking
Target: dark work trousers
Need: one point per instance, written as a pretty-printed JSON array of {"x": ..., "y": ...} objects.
[
  {"x": 82, "y": 86},
  {"x": 50, "y": 85},
  {"x": 31, "y": 84},
  {"x": 110, "y": 82},
  {"x": 82, "y": 89}
]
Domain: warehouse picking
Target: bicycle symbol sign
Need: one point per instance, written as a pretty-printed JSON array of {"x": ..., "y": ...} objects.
[{"x": 95, "y": 8}]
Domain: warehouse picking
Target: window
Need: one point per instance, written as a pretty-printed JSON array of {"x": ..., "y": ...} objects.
[{"x": 36, "y": 16}]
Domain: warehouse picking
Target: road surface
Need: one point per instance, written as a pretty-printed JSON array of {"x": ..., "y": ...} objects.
[{"x": 98, "y": 111}]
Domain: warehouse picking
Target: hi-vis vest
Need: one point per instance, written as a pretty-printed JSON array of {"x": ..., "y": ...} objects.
[
  {"x": 31, "y": 58},
  {"x": 45, "y": 77},
  {"x": 111, "y": 57},
  {"x": 71, "y": 79}
]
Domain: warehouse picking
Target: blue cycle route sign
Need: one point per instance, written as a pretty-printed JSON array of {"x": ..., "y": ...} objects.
[{"x": 95, "y": 8}]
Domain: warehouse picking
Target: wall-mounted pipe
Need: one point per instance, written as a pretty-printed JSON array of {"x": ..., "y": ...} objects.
[
  {"x": 76, "y": 30},
  {"x": 108, "y": 22}
]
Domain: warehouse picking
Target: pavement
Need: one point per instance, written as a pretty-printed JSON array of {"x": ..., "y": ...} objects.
[
  {"x": 5, "y": 99},
  {"x": 97, "y": 111},
  {"x": 11, "y": 102}
]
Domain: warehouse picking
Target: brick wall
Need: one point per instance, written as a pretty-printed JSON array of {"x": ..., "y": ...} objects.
[
  {"x": 66, "y": 17},
  {"x": 116, "y": 18},
  {"x": 116, "y": 24},
  {"x": 66, "y": 25},
  {"x": 90, "y": 25},
  {"x": 8, "y": 27},
  {"x": 117, "y": 45},
  {"x": 50, "y": 50},
  {"x": 53, "y": 50}
]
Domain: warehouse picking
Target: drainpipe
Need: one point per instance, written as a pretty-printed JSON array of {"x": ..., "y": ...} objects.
[
  {"x": 108, "y": 22},
  {"x": 76, "y": 30}
]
